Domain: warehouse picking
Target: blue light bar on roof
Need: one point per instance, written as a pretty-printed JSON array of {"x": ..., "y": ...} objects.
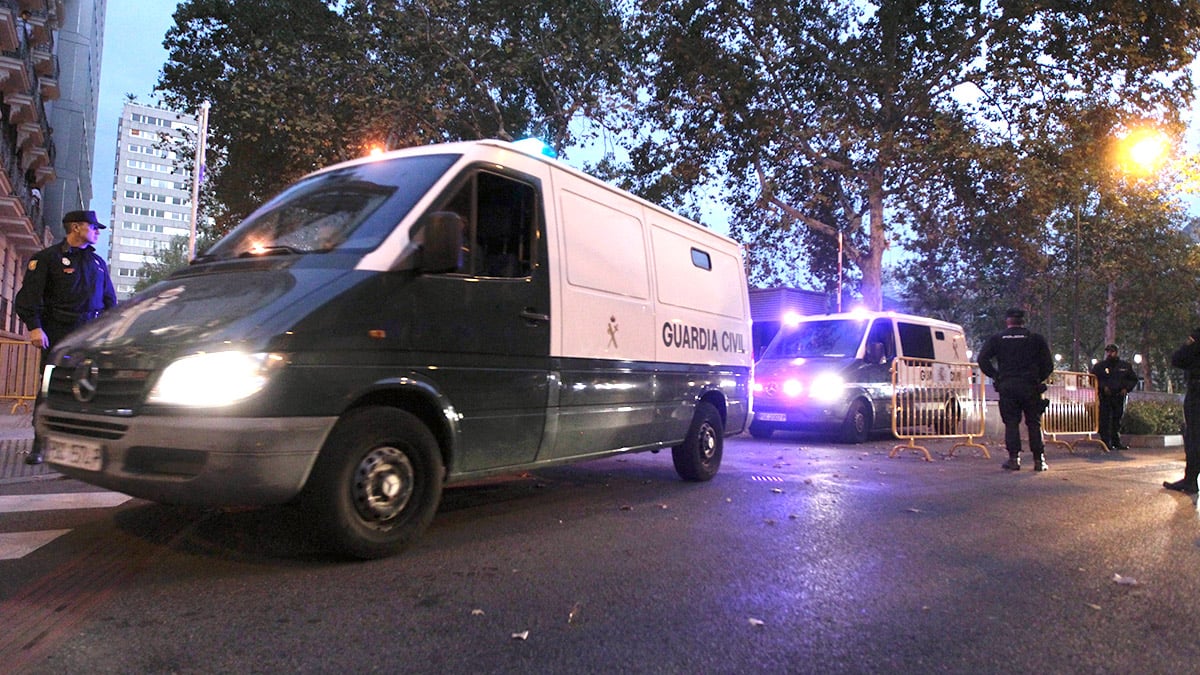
[{"x": 536, "y": 146}]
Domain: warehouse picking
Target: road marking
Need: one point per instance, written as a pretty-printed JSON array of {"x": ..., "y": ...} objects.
[
  {"x": 20, "y": 544},
  {"x": 65, "y": 500},
  {"x": 15, "y": 545}
]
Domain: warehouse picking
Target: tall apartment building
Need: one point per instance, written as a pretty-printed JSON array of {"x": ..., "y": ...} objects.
[
  {"x": 151, "y": 191},
  {"x": 49, "y": 88}
]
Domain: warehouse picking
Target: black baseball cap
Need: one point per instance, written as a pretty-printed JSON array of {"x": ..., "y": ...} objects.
[{"x": 83, "y": 217}]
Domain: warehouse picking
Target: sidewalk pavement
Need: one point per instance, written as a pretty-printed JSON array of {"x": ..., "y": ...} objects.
[{"x": 16, "y": 439}]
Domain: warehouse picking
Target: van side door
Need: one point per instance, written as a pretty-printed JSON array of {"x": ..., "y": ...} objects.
[
  {"x": 486, "y": 325},
  {"x": 876, "y": 375}
]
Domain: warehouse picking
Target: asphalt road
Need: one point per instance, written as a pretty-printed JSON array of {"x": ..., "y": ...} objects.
[{"x": 799, "y": 557}]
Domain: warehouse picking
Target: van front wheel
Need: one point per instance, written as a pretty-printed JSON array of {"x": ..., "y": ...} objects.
[
  {"x": 377, "y": 483},
  {"x": 856, "y": 428},
  {"x": 761, "y": 430},
  {"x": 699, "y": 456}
]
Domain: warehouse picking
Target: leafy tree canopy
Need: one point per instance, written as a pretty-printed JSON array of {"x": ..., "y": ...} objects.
[
  {"x": 874, "y": 120},
  {"x": 299, "y": 84}
]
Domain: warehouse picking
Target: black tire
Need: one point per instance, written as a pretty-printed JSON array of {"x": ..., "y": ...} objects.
[
  {"x": 856, "y": 428},
  {"x": 699, "y": 456},
  {"x": 761, "y": 430},
  {"x": 948, "y": 422},
  {"x": 376, "y": 485}
]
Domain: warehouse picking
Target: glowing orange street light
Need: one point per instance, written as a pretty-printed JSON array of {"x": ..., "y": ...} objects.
[
  {"x": 1144, "y": 150},
  {"x": 375, "y": 150}
]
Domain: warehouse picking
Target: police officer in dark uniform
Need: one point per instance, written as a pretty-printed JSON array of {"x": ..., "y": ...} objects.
[
  {"x": 65, "y": 286},
  {"x": 1187, "y": 357},
  {"x": 1114, "y": 379},
  {"x": 1019, "y": 361}
]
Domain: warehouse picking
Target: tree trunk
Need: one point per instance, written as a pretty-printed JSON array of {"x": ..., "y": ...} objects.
[
  {"x": 1110, "y": 314},
  {"x": 872, "y": 263}
]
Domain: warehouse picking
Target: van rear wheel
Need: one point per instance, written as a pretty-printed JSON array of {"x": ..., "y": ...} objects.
[
  {"x": 699, "y": 456},
  {"x": 377, "y": 483}
]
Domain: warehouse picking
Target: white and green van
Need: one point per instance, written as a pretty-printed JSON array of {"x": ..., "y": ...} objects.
[{"x": 395, "y": 324}]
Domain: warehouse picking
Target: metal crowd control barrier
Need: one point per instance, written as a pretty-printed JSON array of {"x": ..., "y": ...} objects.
[
  {"x": 936, "y": 399},
  {"x": 19, "y": 372},
  {"x": 1074, "y": 408}
]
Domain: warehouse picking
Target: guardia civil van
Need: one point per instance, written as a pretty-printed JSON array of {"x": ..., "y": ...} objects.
[
  {"x": 392, "y": 325},
  {"x": 833, "y": 372}
]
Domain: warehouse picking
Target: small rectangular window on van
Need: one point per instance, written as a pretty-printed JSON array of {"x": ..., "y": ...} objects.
[
  {"x": 701, "y": 259},
  {"x": 916, "y": 341},
  {"x": 939, "y": 335}
]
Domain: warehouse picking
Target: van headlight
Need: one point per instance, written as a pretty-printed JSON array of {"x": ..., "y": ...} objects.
[
  {"x": 216, "y": 379},
  {"x": 827, "y": 387}
]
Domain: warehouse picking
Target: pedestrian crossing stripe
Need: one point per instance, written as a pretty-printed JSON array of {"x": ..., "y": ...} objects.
[
  {"x": 15, "y": 545},
  {"x": 61, "y": 501},
  {"x": 19, "y": 544}
]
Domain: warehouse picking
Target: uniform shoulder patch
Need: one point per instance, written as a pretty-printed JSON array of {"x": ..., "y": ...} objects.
[{"x": 32, "y": 265}]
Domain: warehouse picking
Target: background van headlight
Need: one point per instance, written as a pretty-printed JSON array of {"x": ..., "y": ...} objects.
[
  {"x": 827, "y": 387},
  {"x": 216, "y": 379}
]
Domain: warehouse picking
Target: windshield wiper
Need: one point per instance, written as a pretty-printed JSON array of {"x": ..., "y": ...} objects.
[{"x": 278, "y": 249}]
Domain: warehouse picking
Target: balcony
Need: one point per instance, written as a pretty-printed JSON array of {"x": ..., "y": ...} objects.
[
  {"x": 30, "y": 134},
  {"x": 44, "y": 174},
  {"x": 48, "y": 85},
  {"x": 34, "y": 158},
  {"x": 21, "y": 108},
  {"x": 39, "y": 31},
  {"x": 44, "y": 62},
  {"x": 14, "y": 74},
  {"x": 10, "y": 40},
  {"x": 16, "y": 225}
]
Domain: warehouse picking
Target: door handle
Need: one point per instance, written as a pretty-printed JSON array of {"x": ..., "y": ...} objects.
[{"x": 529, "y": 314}]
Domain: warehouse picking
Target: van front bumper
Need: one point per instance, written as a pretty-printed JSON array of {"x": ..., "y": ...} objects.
[
  {"x": 200, "y": 460},
  {"x": 810, "y": 415}
]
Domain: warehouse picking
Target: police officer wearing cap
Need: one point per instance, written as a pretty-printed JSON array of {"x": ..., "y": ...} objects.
[
  {"x": 65, "y": 286},
  {"x": 1187, "y": 358},
  {"x": 1019, "y": 361},
  {"x": 1114, "y": 379}
]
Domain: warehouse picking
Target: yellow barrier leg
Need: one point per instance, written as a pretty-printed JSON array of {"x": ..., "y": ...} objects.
[
  {"x": 971, "y": 444},
  {"x": 911, "y": 446}
]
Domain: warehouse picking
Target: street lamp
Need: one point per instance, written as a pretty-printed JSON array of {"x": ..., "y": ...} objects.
[{"x": 1144, "y": 150}]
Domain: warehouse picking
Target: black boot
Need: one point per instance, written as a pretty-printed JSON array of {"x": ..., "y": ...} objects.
[
  {"x": 1039, "y": 463},
  {"x": 35, "y": 456},
  {"x": 1013, "y": 463},
  {"x": 1185, "y": 486}
]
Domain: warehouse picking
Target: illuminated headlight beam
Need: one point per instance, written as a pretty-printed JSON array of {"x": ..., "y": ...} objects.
[{"x": 215, "y": 379}]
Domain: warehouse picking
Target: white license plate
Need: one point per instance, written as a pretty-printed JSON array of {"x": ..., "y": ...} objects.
[
  {"x": 770, "y": 417},
  {"x": 78, "y": 454}
]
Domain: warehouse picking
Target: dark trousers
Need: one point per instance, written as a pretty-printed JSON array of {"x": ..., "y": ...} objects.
[
  {"x": 1017, "y": 402},
  {"x": 1112, "y": 407},
  {"x": 1191, "y": 434}
]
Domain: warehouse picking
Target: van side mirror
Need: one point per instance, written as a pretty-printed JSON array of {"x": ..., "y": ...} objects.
[{"x": 438, "y": 237}]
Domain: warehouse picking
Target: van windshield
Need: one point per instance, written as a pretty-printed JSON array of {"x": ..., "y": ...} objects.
[
  {"x": 834, "y": 338},
  {"x": 352, "y": 208}
]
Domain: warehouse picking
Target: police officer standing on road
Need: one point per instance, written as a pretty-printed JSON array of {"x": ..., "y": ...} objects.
[
  {"x": 65, "y": 286},
  {"x": 1114, "y": 379},
  {"x": 1018, "y": 362},
  {"x": 1187, "y": 357}
]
